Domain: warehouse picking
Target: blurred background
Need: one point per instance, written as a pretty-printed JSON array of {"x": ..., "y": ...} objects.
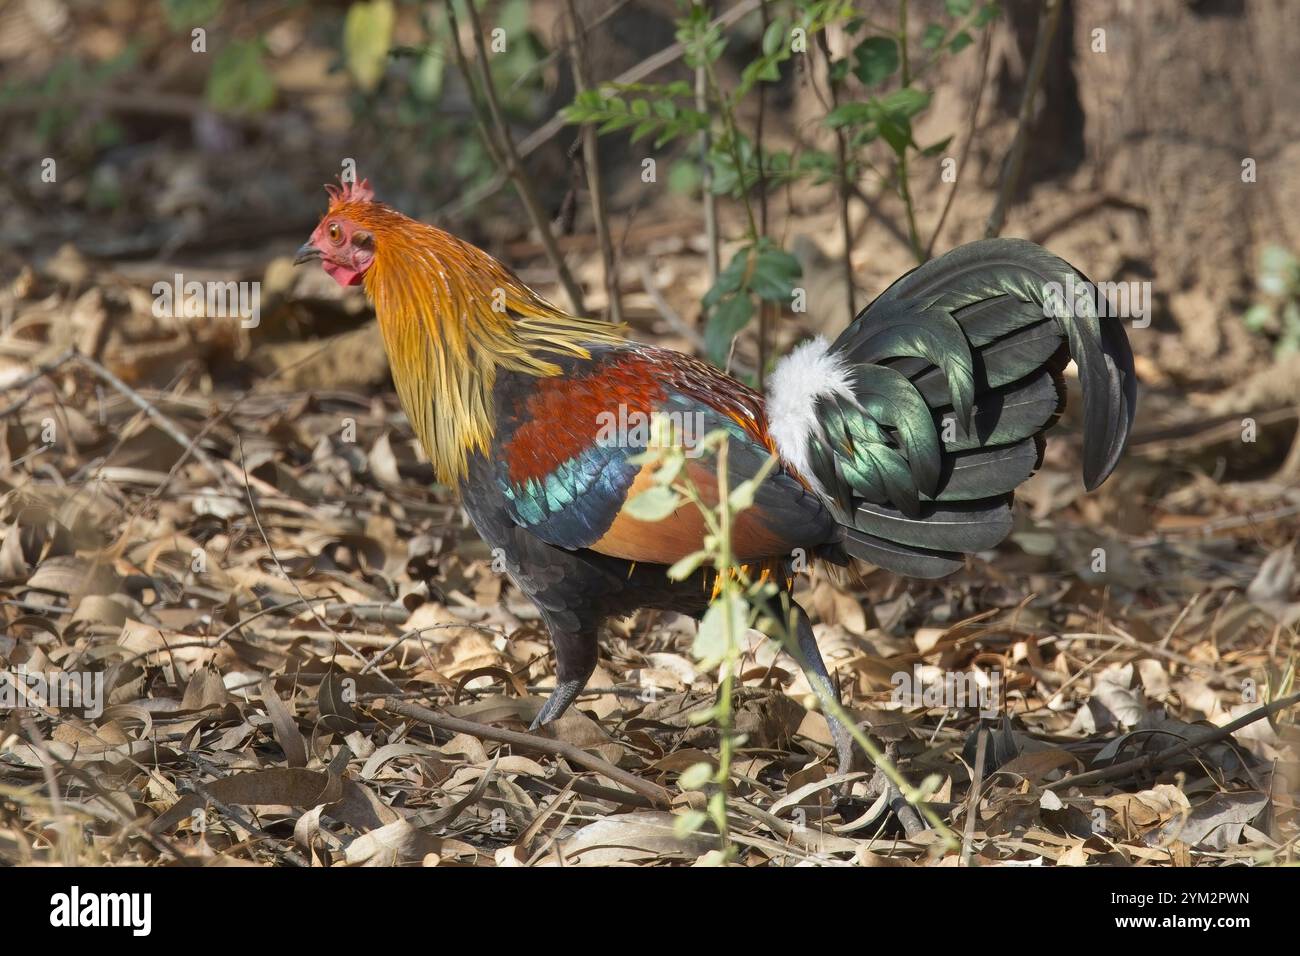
[{"x": 170, "y": 159}]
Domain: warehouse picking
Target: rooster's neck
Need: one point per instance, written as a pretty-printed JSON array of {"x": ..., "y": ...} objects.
[{"x": 452, "y": 317}]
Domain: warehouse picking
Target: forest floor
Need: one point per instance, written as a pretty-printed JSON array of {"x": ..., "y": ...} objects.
[{"x": 267, "y": 580}]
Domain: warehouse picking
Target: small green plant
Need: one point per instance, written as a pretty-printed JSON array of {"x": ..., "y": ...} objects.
[
  {"x": 1277, "y": 314},
  {"x": 62, "y": 89},
  {"x": 760, "y": 270},
  {"x": 399, "y": 89},
  {"x": 861, "y": 113},
  {"x": 717, "y": 641},
  {"x": 740, "y": 601}
]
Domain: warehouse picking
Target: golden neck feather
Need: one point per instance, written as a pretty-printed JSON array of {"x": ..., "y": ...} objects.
[{"x": 451, "y": 317}]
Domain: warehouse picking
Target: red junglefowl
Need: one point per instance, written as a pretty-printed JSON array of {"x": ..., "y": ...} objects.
[{"x": 899, "y": 444}]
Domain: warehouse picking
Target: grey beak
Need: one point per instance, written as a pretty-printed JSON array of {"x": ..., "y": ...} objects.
[{"x": 306, "y": 253}]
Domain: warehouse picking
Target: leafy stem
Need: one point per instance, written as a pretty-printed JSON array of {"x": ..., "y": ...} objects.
[
  {"x": 739, "y": 601},
  {"x": 904, "y": 187},
  {"x": 732, "y": 137}
]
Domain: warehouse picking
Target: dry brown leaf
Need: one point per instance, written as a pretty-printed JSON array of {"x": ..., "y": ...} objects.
[
  {"x": 285, "y": 727},
  {"x": 391, "y": 845},
  {"x": 630, "y": 838}
]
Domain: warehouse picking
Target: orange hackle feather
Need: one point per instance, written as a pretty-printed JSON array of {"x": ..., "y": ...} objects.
[{"x": 452, "y": 316}]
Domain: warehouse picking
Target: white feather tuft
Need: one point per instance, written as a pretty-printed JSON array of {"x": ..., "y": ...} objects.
[{"x": 797, "y": 382}]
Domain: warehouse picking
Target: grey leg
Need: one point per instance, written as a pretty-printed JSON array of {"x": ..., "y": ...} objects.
[
  {"x": 790, "y": 618},
  {"x": 814, "y": 668},
  {"x": 575, "y": 659}
]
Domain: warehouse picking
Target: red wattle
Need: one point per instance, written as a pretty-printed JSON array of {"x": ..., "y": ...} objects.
[{"x": 342, "y": 274}]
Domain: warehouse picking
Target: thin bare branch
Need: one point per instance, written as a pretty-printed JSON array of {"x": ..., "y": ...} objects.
[
  {"x": 1127, "y": 768},
  {"x": 986, "y": 47},
  {"x": 1047, "y": 21},
  {"x": 547, "y": 131},
  {"x": 591, "y": 160},
  {"x": 843, "y": 186},
  {"x": 652, "y": 792},
  {"x": 501, "y": 144}
]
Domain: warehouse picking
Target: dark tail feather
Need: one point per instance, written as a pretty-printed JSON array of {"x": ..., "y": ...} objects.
[
  {"x": 1006, "y": 415},
  {"x": 956, "y": 373},
  {"x": 981, "y": 472},
  {"x": 899, "y": 558},
  {"x": 1106, "y": 422},
  {"x": 964, "y": 526}
]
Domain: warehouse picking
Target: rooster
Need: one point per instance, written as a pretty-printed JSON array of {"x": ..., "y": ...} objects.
[{"x": 899, "y": 444}]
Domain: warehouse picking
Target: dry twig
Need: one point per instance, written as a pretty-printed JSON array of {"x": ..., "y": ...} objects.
[{"x": 652, "y": 792}]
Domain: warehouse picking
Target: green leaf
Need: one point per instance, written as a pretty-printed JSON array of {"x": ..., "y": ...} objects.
[
  {"x": 426, "y": 81},
  {"x": 823, "y": 165},
  {"x": 663, "y": 439},
  {"x": 960, "y": 42},
  {"x": 1278, "y": 269},
  {"x": 958, "y": 8},
  {"x": 1291, "y": 319},
  {"x": 876, "y": 59},
  {"x": 367, "y": 33},
  {"x": 684, "y": 177},
  {"x": 687, "y": 566},
  {"x": 717, "y": 810},
  {"x": 935, "y": 149},
  {"x": 988, "y": 13},
  {"x": 863, "y": 137},
  {"x": 729, "y": 279},
  {"x": 897, "y": 132},
  {"x": 703, "y": 41},
  {"x": 850, "y": 114},
  {"x": 1258, "y": 318},
  {"x": 187, "y": 14},
  {"x": 726, "y": 177},
  {"x": 644, "y": 128},
  {"x": 711, "y": 637},
  {"x": 774, "y": 36},
  {"x": 685, "y": 824},
  {"x": 742, "y": 496},
  {"x": 933, "y": 37},
  {"x": 697, "y": 776},
  {"x": 239, "y": 81},
  {"x": 778, "y": 162},
  {"x": 905, "y": 103},
  {"x": 653, "y": 504},
  {"x": 732, "y": 315},
  {"x": 775, "y": 272}
]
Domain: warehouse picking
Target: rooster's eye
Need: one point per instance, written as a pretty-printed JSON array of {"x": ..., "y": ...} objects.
[{"x": 335, "y": 232}]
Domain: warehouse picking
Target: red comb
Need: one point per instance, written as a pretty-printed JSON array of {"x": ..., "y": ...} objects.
[{"x": 350, "y": 192}]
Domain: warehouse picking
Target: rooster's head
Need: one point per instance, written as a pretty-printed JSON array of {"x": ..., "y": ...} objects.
[{"x": 342, "y": 242}]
